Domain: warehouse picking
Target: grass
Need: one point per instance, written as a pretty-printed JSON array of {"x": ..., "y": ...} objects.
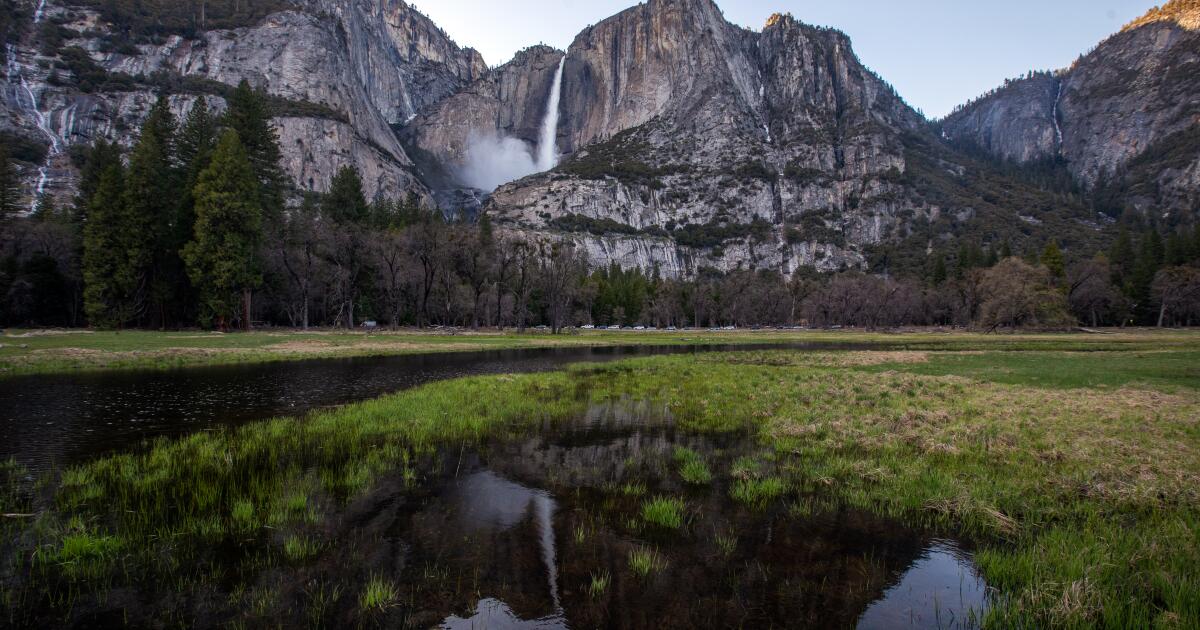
[
  {"x": 599, "y": 584},
  {"x": 1082, "y": 491},
  {"x": 692, "y": 467},
  {"x": 758, "y": 493},
  {"x": 25, "y": 352},
  {"x": 665, "y": 512},
  {"x": 378, "y": 595},
  {"x": 644, "y": 561}
]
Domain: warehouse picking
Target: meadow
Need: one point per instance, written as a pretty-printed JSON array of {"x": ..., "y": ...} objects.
[
  {"x": 1072, "y": 463},
  {"x": 25, "y": 352}
]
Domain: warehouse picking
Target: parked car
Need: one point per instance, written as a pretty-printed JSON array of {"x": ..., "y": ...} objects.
[{"x": 588, "y": 327}]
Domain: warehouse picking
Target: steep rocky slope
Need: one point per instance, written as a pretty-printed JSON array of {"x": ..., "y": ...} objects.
[
  {"x": 1127, "y": 111},
  {"x": 343, "y": 74},
  {"x": 688, "y": 142},
  {"x": 696, "y": 143}
]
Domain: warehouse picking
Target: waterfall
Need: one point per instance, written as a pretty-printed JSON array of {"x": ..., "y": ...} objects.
[
  {"x": 1057, "y": 99},
  {"x": 548, "y": 142},
  {"x": 27, "y": 101}
]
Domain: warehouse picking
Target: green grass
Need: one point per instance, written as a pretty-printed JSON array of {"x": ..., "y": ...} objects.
[
  {"x": 644, "y": 561},
  {"x": 692, "y": 467},
  {"x": 666, "y": 512},
  {"x": 599, "y": 584},
  {"x": 1081, "y": 491},
  {"x": 758, "y": 493},
  {"x": 378, "y": 595}
]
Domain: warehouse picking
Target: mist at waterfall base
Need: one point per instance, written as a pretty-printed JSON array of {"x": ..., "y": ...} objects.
[{"x": 492, "y": 160}]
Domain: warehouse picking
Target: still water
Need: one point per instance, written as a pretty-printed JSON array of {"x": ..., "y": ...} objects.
[{"x": 61, "y": 419}]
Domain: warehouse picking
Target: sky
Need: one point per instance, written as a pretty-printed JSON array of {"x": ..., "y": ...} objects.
[{"x": 938, "y": 53}]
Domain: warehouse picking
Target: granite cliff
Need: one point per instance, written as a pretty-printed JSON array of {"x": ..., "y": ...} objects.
[{"x": 1123, "y": 118}]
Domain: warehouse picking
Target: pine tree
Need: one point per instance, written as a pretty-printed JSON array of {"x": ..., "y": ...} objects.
[
  {"x": 250, "y": 117},
  {"x": 193, "y": 146},
  {"x": 1148, "y": 262},
  {"x": 196, "y": 139},
  {"x": 1122, "y": 257},
  {"x": 1052, "y": 260},
  {"x": 114, "y": 256},
  {"x": 938, "y": 276},
  {"x": 1177, "y": 250},
  {"x": 345, "y": 202},
  {"x": 44, "y": 210},
  {"x": 100, "y": 157},
  {"x": 1196, "y": 244},
  {"x": 152, "y": 193},
  {"x": 222, "y": 259},
  {"x": 10, "y": 187}
]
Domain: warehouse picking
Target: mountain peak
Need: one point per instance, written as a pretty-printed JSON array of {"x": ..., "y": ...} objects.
[{"x": 1185, "y": 13}]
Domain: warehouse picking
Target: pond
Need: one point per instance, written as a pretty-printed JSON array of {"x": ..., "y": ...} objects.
[
  {"x": 50, "y": 420},
  {"x": 619, "y": 517},
  {"x": 551, "y": 531}
]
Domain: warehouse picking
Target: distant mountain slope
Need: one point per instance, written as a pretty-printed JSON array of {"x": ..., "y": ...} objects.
[{"x": 1122, "y": 118}]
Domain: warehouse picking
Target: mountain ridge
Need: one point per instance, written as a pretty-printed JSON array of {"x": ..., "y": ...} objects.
[{"x": 689, "y": 142}]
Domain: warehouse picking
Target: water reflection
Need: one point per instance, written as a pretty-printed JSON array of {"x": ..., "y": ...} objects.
[
  {"x": 61, "y": 419},
  {"x": 518, "y": 535},
  {"x": 493, "y": 614},
  {"x": 941, "y": 590}
]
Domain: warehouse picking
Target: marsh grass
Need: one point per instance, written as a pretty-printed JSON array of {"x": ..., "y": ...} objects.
[
  {"x": 645, "y": 561},
  {"x": 665, "y": 512},
  {"x": 692, "y": 467},
  {"x": 1082, "y": 495},
  {"x": 378, "y": 595},
  {"x": 758, "y": 493},
  {"x": 599, "y": 584}
]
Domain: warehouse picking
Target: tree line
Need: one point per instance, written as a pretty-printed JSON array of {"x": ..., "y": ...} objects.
[{"x": 190, "y": 227}]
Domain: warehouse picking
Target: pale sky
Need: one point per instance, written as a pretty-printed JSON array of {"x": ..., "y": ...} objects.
[{"x": 938, "y": 53}]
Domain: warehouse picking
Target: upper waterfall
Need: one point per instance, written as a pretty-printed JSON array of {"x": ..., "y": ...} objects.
[{"x": 548, "y": 141}]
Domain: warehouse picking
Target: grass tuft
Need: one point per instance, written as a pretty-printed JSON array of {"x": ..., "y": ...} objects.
[{"x": 664, "y": 512}]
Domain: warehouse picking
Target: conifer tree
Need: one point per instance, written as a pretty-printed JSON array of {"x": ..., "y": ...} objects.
[
  {"x": 1148, "y": 262},
  {"x": 222, "y": 258},
  {"x": 114, "y": 256},
  {"x": 1052, "y": 260},
  {"x": 152, "y": 192},
  {"x": 249, "y": 115},
  {"x": 100, "y": 156},
  {"x": 45, "y": 209},
  {"x": 195, "y": 142},
  {"x": 345, "y": 202},
  {"x": 10, "y": 187},
  {"x": 194, "y": 145},
  {"x": 938, "y": 276},
  {"x": 1122, "y": 257},
  {"x": 347, "y": 207}
]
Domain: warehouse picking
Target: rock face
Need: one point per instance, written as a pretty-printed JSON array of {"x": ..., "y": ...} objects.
[
  {"x": 365, "y": 64},
  {"x": 1019, "y": 122},
  {"x": 689, "y": 143},
  {"x": 1137, "y": 94},
  {"x": 698, "y": 144}
]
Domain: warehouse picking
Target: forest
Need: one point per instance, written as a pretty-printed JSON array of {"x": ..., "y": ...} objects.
[{"x": 196, "y": 225}]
